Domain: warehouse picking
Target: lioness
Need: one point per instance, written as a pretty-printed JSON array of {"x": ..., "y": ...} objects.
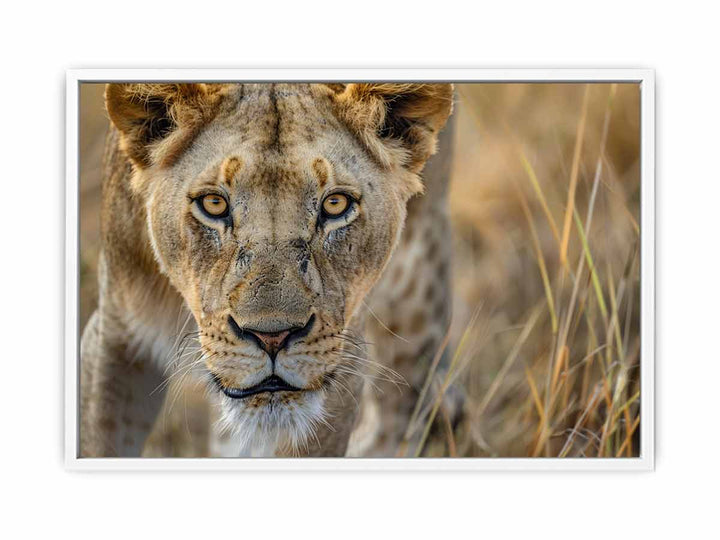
[{"x": 243, "y": 229}]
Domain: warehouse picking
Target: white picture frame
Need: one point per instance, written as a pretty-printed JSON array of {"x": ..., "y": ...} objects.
[{"x": 645, "y": 78}]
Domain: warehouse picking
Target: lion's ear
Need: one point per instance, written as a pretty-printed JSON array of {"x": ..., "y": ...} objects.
[
  {"x": 157, "y": 121},
  {"x": 404, "y": 118}
]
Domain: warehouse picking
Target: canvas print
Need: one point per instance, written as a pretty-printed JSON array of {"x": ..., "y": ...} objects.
[{"x": 359, "y": 269}]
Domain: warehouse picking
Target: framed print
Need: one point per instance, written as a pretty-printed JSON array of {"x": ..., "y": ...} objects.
[{"x": 360, "y": 269}]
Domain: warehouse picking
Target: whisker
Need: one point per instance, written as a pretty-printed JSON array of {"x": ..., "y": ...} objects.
[{"x": 382, "y": 323}]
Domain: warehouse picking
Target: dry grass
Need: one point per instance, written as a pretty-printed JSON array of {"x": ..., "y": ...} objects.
[
  {"x": 545, "y": 208},
  {"x": 545, "y": 205}
]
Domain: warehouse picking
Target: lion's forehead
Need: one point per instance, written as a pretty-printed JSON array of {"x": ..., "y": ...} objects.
[
  {"x": 278, "y": 117},
  {"x": 278, "y": 131}
]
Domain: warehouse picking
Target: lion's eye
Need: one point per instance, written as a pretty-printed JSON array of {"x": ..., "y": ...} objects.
[
  {"x": 335, "y": 205},
  {"x": 215, "y": 205}
]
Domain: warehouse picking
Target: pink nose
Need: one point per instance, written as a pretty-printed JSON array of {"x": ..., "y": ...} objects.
[{"x": 271, "y": 342}]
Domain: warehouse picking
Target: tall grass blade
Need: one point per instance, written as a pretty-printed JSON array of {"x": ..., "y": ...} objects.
[{"x": 574, "y": 173}]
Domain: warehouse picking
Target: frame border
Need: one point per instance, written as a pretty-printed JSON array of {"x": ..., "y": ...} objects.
[{"x": 644, "y": 77}]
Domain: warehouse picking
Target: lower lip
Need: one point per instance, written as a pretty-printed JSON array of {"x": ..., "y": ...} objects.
[{"x": 273, "y": 384}]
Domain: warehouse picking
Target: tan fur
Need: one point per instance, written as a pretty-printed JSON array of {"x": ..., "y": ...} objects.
[{"x": 167, "y": 269}]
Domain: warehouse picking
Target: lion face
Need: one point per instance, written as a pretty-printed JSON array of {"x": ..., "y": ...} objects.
[{"x": 273, "y": 210}]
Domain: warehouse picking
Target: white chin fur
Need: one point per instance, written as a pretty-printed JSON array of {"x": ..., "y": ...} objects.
[{"x": 260, "y": 431}]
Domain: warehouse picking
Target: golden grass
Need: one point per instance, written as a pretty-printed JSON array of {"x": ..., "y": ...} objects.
[{"x": 569, "y": 384}]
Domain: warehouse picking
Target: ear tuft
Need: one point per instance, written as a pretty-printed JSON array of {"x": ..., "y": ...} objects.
[
  {"x": 398, "y": 121},
  {"x": 157, "y": 121}
]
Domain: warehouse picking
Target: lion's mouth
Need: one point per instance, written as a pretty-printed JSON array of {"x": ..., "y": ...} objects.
[{"x": 272, "y": 384}]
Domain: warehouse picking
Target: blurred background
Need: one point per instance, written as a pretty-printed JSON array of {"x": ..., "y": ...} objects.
[{"x": 545, "y": 206}]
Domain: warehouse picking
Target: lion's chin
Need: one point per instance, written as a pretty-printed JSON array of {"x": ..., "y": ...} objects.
[{"x": 271, "y": 422}]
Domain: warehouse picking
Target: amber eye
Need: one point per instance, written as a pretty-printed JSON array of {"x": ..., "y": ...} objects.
[
  {"x": 336, "y": 204},
  {"x": 215, "y": 205}
]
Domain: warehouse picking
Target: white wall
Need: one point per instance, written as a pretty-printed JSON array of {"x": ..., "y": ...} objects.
[{"x": 40, "y": 42}]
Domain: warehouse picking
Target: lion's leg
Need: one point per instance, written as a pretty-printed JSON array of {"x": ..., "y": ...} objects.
[
  {"x": 120, "y": 396},
  {"x": 410, "y": 324},
  {"x": 412, "y": 303},
  {"x": 333, "y": 439}
]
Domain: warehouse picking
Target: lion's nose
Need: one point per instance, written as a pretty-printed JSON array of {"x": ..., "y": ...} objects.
[{"x": 272, "y": 342}]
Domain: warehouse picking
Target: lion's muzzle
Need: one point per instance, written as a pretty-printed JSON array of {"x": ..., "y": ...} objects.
[{"x": 271, "y": 339}]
